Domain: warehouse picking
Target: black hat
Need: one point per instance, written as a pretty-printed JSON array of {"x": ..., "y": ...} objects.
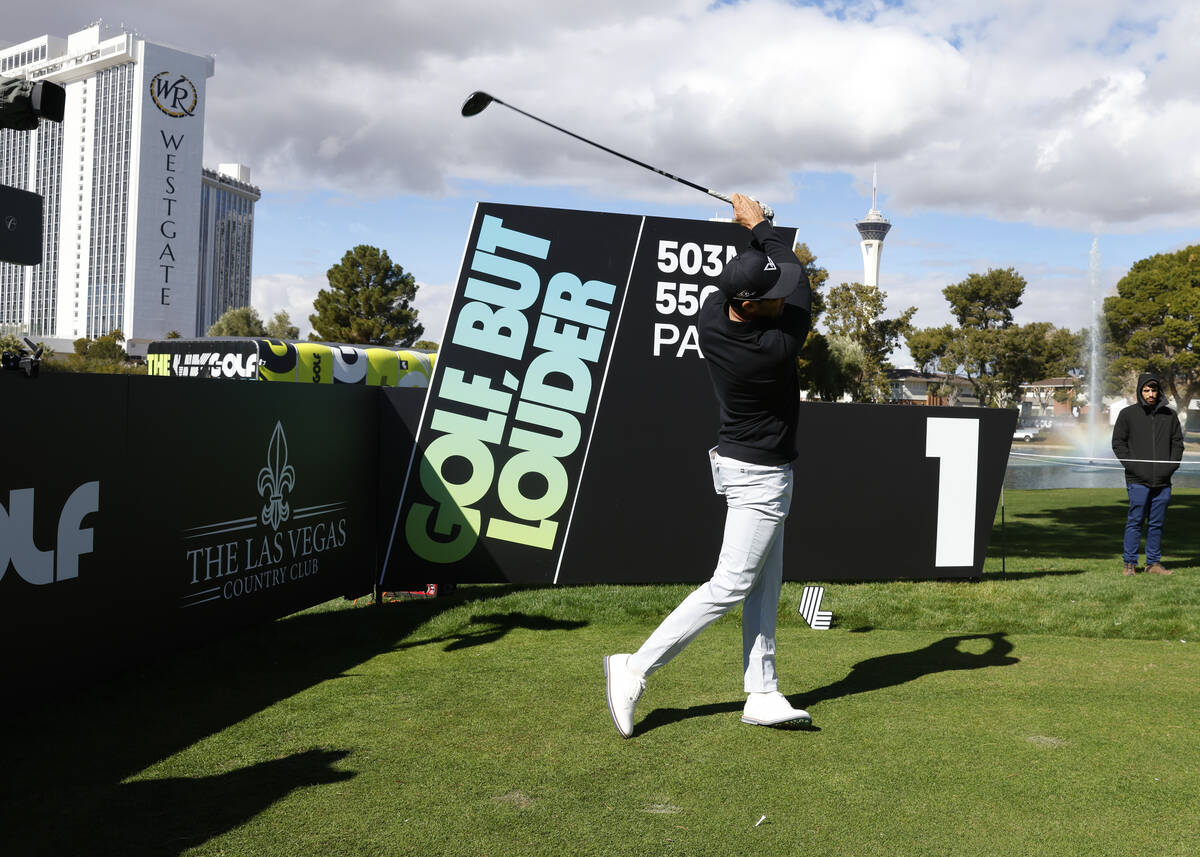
[{"x": 752, "y": 275}]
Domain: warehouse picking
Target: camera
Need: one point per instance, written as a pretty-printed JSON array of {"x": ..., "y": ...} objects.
[{"x": 28, "y": 363}]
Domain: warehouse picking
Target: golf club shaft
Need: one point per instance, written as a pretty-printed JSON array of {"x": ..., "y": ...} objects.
[{"x": 713, "y": 193}]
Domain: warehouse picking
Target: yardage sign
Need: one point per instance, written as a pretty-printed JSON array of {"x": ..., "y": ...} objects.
[{"x": 565, "y": 433}]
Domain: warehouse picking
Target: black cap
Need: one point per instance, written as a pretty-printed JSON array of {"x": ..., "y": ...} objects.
[{"x": 752, "y": 275}]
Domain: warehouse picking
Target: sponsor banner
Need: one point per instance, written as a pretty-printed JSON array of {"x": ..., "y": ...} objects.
[
  {"x": 314, "y": 363},
  {"x": 287, "y": 523},
  {"x": 504, "y": 486},
  {"x": 282, "y": 360},
  {"x": 208, "y": 358},
  {"x": 191, "y": 508},
  {"x": 278, "y": 360},
  {"x": 64, "y": 502}
]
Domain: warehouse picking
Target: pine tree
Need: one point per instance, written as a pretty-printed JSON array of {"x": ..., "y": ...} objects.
[{"x": 368, "y": 302}]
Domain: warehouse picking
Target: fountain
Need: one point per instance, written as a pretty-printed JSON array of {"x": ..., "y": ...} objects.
[
  {"x": 1090, "y": 463},
  {"x": 1095, "y": 403}
]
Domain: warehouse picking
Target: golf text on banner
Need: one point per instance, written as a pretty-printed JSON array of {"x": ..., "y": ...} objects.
[{"x": 505, "y": 428}]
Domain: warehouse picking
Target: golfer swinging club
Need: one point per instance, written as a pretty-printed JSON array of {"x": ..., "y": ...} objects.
[{"x": 750, "y": 332}]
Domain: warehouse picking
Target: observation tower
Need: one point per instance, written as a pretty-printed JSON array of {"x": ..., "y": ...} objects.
[{"x": 873, "y": 228}]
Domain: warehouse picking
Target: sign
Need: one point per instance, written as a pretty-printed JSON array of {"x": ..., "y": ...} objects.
[
  {"x": 565, "y": 435},
  {"x": 187, "y": 509},
  {"x": 284, "y": 360}
]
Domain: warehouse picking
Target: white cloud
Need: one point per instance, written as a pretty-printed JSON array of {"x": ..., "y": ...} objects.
[
  {"x": 1073, "y": 113},
  {"x": 271, "y": 293}
]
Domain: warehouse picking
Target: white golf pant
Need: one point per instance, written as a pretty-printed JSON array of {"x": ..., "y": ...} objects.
[{"x": 749, "y": 569}]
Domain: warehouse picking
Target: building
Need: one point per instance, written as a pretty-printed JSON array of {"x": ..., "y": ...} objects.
[
  {"x": 1052, "y": 397},
  {"x": 873, "y": 228},
  {"x": 915, "y": 387},
  {"x": 124, "y": 189},
  {"x": 226, "y": 242}
]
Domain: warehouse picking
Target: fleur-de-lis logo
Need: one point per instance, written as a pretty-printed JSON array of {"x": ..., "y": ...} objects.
[{"x": 278, "y": 476}]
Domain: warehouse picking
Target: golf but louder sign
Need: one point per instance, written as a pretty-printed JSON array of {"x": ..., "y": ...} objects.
[{"x": 565, "y": 432}]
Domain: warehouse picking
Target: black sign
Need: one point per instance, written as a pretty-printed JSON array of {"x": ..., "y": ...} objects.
[
  {"x": 20, "y": 226},
  {"x": 139, "y": 514},
  {"x": 598, "y": 472},
  {"x": 510, "y": 411}
]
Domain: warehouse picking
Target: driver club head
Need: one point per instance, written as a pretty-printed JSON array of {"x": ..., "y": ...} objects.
[{"x": 476, "y": 102}]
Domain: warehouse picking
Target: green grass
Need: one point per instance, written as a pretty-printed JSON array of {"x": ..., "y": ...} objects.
[{"x": 1047, "y": 711}]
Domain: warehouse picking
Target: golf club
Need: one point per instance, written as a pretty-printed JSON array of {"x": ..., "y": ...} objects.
[{"x": 477, "y": 102}]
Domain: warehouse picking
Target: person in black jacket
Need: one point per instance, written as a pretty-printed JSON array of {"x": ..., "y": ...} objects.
[
  {"x": 751, "y": 331},
  {"x": 1148, "y": 440}
]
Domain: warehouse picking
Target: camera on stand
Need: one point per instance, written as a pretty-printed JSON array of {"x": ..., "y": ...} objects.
[{"x": 29, "y": 363}]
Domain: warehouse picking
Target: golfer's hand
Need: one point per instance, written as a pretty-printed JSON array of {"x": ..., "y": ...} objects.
[{"x": 747, "y": 211}]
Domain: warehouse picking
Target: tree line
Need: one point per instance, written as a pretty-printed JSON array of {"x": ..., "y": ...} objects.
[{"x": 1151, "y": 323}]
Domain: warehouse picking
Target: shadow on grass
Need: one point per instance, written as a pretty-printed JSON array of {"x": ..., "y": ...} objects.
[
  {"x": 496, "y": 625},
  {"x": 1030, "y": 575},
  {"x": 903, "y": 667},
  {"x": 66, "y": 763},
  {"x": 865, "y": 676},
  {"x": 165, "y": 817},
  {"x": 1093, "y": 531}
]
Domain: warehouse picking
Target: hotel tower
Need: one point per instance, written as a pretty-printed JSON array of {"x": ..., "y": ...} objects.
[{"x": 137, "y": 235}]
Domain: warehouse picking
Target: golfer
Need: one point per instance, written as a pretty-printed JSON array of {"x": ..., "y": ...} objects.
[{"x": 750, "y": 333}]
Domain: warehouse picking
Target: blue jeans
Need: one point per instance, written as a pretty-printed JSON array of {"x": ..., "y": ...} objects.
[{"x": 1149, "y": 505}]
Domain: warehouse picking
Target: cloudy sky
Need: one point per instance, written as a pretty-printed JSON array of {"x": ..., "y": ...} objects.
[{"x": 1006, "y": 134}]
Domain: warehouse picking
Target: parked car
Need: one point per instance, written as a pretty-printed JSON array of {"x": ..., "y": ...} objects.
[{"x": 1026, "y": 434}]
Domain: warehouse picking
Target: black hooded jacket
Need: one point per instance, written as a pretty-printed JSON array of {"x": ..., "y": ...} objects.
[{"x": 1151, "y": 434}]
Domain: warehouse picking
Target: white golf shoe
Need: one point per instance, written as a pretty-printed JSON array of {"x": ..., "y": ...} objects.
[
  {"x": 772, "y": 709},
  {"x": 624, "y": 688}
]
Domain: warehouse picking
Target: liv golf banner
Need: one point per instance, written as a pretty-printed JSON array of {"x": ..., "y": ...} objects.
[{"x": 565, "y": 435}]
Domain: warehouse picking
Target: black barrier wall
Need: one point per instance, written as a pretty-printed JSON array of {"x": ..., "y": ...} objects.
[
  {"x": 140, "y": 514},
  {"x": 563, "y": 441}
]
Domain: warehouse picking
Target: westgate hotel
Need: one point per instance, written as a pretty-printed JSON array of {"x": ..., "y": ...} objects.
[{"x": 137, "y": 234}]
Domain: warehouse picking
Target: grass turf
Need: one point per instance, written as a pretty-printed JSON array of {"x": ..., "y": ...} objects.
[{"x": 983, "y": 718}]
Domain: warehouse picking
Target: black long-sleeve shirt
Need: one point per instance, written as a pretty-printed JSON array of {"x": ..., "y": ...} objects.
[{"x": 753, "y": 367}]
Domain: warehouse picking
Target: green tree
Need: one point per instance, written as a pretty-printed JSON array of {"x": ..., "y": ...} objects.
[
  {"x": 426, "y": 345},
  {"x": 854, "y": 312},
  {"x": 107, "y": 348},
  {"x": 280, "y": 327},
  {"x": 1031, "y": 352},
  {"x": 368, "y": 302},
  {"x": 994, "y": 354},
  {"x": 986, "y": 301},
  {"x": 982, "y": 304},
  {"x": 1153, "y": 323},
  {"x": 238, "y": 321},
  {"x": 174, "y": 334}
]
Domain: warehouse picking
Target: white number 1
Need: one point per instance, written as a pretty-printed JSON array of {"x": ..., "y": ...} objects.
[{"x": 956, "y": 443}]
